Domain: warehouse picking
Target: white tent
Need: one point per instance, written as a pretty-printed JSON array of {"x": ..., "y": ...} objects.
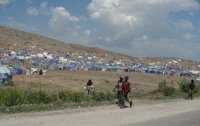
[
  {"x": 20, "y": 57},
  {"x": 5, "y": 74},
  {"x": 198, "y": 79},
  {"x": 40, "y": 55},
  {"x": 195, "y": 72},
  {"x": 4, "y": 69},
  {"x": 34, "y": 70}
]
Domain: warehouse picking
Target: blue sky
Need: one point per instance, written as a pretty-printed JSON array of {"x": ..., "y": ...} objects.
[{"x": 140, "y": 28}]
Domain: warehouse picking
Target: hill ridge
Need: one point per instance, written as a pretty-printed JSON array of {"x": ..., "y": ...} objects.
[
  {"x": 15, "y": 40},
  {"x": 18, "y": 37}
]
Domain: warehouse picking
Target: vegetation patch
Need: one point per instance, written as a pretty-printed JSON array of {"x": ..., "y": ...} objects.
[
  {"x": 19, "y": 100},
  {"x": 164, "y": 91},
  {"x": 13, "y": 99}
]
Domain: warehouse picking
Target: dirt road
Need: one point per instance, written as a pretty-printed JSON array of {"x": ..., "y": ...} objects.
[
  {"x": 182, "y": 119},
  {"x": 103, "y": 116}
]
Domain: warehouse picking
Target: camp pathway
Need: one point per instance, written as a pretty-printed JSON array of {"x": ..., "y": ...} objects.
[{"x": 105, "y": 115}]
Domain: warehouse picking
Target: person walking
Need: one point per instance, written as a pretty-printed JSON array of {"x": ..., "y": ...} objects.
[
  {"x": 119, "y": 91},
  {"x": 126, "y": 88},
  {"x": 191, "y": 90}
]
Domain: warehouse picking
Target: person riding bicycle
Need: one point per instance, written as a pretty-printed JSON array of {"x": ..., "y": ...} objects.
[{"x": 89, "y": 86}]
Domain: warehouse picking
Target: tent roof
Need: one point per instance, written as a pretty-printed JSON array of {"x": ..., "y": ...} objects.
[{"x": 4, "y": 69}]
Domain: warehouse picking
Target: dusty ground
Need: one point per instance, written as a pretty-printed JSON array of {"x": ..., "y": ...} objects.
[
  {"x": 104, "y": 115},
  {"x": 104, "y": 81}
]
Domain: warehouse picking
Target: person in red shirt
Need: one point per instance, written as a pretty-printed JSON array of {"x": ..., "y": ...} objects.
[{"x": 126, "y": 88}]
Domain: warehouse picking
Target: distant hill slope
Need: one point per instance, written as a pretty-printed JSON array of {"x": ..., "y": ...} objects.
[{"x": 15, "y": 40}]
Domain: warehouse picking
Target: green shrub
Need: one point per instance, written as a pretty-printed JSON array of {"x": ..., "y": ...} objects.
[
  {"x": 110, "y": 96},
  {"x": 65, "y": 96},
  {"x": 162, "y": 85},
  {"x": 39, "y": 97},
  {"x": 72, "y": 96},
  {"x": 99, "y": 96},
  {"x": 197, "y": 88},
  {"x": 54, "y": 97},
  {"x": 168, "y": 91},
  {"x": 103, "y": 96},
  {"x": 184, "y": 86},
  {"x": 77, "y": 97},
  {"x": 12, "y": 97},
  {"x": 62, "y": 95},
  {"x": 43, "y": 97},
  {"x": 164, "y": 89},
  {"x": 31, "y": 97},
  {"x": 1, "y": 98}
]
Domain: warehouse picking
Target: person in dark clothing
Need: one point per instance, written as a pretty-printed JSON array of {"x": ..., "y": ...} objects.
[
  {"x": 126, "y": 88},
  {"x": 119, "y": 91},
  {"x": 40, "y": 72},
  {"x": 89, "y": 83},
  {"x": 191, "y": 90},
  {"x": 89, "y": 86}
]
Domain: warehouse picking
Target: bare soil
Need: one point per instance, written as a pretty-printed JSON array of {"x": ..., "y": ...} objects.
[{"x": 102, "y": 116}]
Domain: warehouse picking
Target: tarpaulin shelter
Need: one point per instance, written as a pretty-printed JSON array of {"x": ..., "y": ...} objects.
[
  {"x": 5, "y": 74},
  {"x": 17, "y": 70}
]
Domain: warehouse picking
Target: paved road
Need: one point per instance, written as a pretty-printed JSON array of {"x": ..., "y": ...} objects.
[
  {"x": 183, "y": 119},
  {"x": 176, "y": 113}
]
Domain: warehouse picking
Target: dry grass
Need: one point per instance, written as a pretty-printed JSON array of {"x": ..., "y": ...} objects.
[{"x": 104, "y": 81}]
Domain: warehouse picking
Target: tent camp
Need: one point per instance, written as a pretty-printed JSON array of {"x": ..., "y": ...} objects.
[{"x": 5, "y": 74}]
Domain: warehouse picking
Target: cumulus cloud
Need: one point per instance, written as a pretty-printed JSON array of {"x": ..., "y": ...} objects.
[
  {"x": 61, "y": 17},
  {"x": 32, "y": 11},
  {"x": 142, "y": 24},
  {"x": 4, "y": 2},
  {"x": 137, "y": 13},
  {"x": 64, "y": 25}
]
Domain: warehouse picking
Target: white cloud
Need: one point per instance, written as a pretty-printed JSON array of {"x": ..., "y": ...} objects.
[
  {"x": 4, "y": 2},
  {"x": 184, "y": 25},
  {"x": 61, "y": 17},
  {"x": 132, "y": 13},
  {"x": 87, "y": 32},
  {"x": 143, "y": 24},
  {"x": 106, "y": 11},
  {"x": 32, "y": 11},
  {"x": 64, "y": 25},
  {"x": 45, "y": 9}
]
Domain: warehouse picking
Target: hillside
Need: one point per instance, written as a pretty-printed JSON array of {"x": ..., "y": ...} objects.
[
  {"x": 172, "y": 61},
  {"x": 17, "y": 40}
]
